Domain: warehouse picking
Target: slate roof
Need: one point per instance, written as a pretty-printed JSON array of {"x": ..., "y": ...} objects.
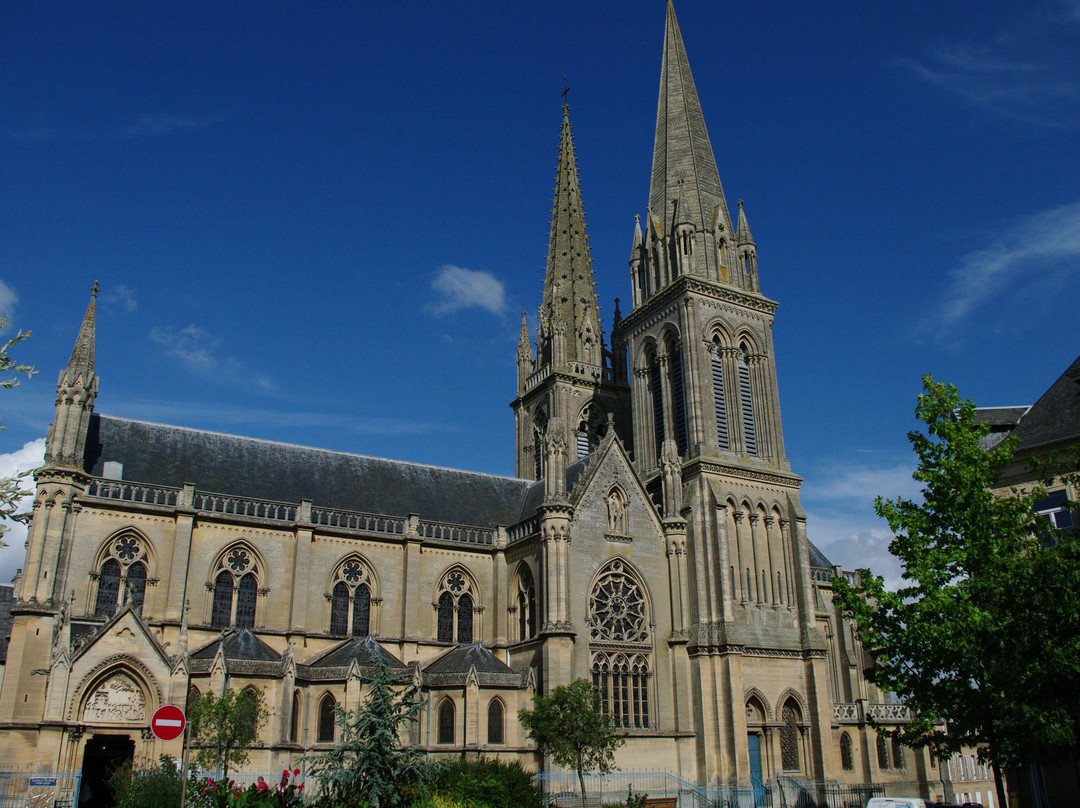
[
  {"x": 817, "y": 558},
  {"x": 1002, "y": 421},
  {"x": 242, "y": 644},
  {"x": 454, "y": 667},
  {"x": 164, "y": 455},
  {"x": 1055, "y": 417},
  {"x": 7, "y": 601},
  {"x": 365, "y": 650}
]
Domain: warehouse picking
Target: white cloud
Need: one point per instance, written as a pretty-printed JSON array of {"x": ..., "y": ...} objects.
[
  {"x": 192, "y": 345},
  {"x": 156, "y": 125},
  {"x": 8, "y": 298},
  {"x": 459, "y": 288},
  {"x": 19, "y": 462},
  {"x": 121, "y": 296},
  {"x": 1045, "y": 245}
]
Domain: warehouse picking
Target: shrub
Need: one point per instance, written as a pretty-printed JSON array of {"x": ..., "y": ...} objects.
[
  {"x": 150, "y": 787},
  {"x": 487, "y": 783}
]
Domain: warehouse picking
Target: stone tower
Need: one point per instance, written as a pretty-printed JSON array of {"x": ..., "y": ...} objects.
[
  {"x": 569, "y": 386},
  {"x": 703, "y": 384}
]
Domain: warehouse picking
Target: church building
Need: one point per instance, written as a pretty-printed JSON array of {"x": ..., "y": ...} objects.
[{"x": 651, "y": 541}]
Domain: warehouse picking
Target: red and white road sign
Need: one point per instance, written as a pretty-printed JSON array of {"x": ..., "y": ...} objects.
[{"x": 168, "y": 722}]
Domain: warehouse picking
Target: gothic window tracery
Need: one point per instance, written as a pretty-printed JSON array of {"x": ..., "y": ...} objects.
[
  {"x": 350, "y": 599},
  {"x": 121, "y": 575},
  {"x": 619, "y": 642},
  {"x": 526, "y": 603},
  {"x": 791, "y": 716},
  {"x": 592, "y": 425},
  {"x": 455, "y": 608},
  {"x": 235, "y": 589}
]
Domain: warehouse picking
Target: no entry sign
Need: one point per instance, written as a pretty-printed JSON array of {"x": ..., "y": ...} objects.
[{"x": 168, "y": 722}]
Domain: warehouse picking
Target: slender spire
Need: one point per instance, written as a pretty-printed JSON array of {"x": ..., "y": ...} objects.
[
  {"x": 569, "y": 285},
  {"x": 684, "y": 167},
  {"x": 81, "y": 364},
  {"x": 742, "y": 233}
]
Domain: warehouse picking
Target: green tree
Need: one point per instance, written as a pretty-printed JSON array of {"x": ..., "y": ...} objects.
[
  {"x": 570, "y": 726},
  {"x": 10, "y": 371},
  {"x": 224, "y": 727},
  {"x": 974, "y": 641},
  {"x": 370, "y": 762}
]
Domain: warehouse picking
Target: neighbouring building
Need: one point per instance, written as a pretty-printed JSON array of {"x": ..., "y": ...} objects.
[{"x": 651, "y": 541}]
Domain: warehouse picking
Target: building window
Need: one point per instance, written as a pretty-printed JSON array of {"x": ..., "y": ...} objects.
[
  {"x": 847, "y": 760},
  {"x": 350, "y": 600},
  {"x": 495, "y": 722},
  {"x": 294, "y": 719},
  {"x": 882, "y": 753},
  {"x": 236, "y": 589},
  {"x": 678, "y": 400},
  {"x": 455, "y": 608},
  {"x": 526, "y": 603},
  {"x": 121, "y": 576},
  {"x": 656, "y": 395},
  {"x": 446, "y": 721},
  {"x": 897, "y": 753},
  {"x": 746, "y": 400},
  {"x": 621, "y": 656},
  {"x": 723, "y": 438},
  {"x": 1055, "y": 509},
  {"x": 326, "y": 719},
  {"x": 789, "y": 736}
]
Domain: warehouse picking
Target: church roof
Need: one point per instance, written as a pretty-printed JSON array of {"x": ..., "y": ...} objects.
[
  {"x": 242, "y": 644},
  {"x": 365, "y": 650},
  {"x": 164, "y": 455},
  {"x": 454, "y": 667},
  {"x": 1055, "y": 417}
]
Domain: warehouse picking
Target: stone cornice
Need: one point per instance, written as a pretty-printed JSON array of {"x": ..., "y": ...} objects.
[
  {"x": 785, "y": 480},
  {"x": 698, "y": 285}
]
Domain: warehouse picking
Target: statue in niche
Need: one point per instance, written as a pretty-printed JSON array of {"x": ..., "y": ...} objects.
[
  {"x": 116, "y": 700},
  {"x": 616, "y": 512}
]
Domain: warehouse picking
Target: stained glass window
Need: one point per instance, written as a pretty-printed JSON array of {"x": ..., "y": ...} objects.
[
  {"x": 221, "y": 616},
  {"x": 847, "y": 760},
  {"x": 789, "y": 738},
  {"x": 465, "y": 619},
  {"x": 245, "y": 601},
  {"x": 326, "y": 719},
  {"x": 361, "y": 619},
  {"x": 446, "y": 617},
  {"x": 339, "y": 610},
  {"x": 108, "y": 589},
  {"x": 136, "y": 580},
  {"x": 495, "y": 722}
]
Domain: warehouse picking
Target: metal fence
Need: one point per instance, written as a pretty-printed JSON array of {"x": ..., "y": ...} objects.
[
  {"x": 39, "y": 789},
  {"x": 786, "y": 792}
]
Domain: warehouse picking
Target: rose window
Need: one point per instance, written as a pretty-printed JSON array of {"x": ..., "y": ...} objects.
[
  {"x": 455, "y": 582},
  {"x": 352, "y": 572},
  {"x": 239, "y": 560},
  {"x": 617, "y": 607},
  {"x": 126, "y": 549}
]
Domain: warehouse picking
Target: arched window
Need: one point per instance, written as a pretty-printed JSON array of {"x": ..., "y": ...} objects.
[
  {"x": 223, "y": 597},
  {"x": 678, "y": 398},
  {"x": 882, "y": 753},
  {"x": 122, "y": 575},
  {"x": 108, "y": 588},
  {"x": 236, "y": 589},
  {"x": 350, "y": 601},
  {"x": 592, "y": 426},
  {"x": 248, "y": 718},
  {"x": 619, "y": 625},
  {"x": 746, "y": 400},
  {"x": 723, "y": 438},
  {"x": 789, "y": 736},
  {"x": 245, "y": 601},
  {"x": 446, "y": 721},
  {"x": 192, "y": 694},
  {"x": 897, "y": 753},
  {"x": 455, "y": 608},
  {"x": 326, "y": 719},
  {"x": 847, "y": 760},
  {"x": 294, "y": 719},
  {"x": 495, "y": 722},
  {"x": 656, "y": 396},
  {"x": 526, "y": 603}
]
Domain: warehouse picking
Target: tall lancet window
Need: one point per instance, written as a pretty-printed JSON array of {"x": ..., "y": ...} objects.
[
  {"x": 747, "y": 401},
  {"x": 723, "y": 438},
  {"x": 121, "y": 575},
  {"x": 350, "y": 600},
  {"x": 656, "y": 393},
  {"x": 235, "y": 589},
  {"x": 678, "y": 399}
]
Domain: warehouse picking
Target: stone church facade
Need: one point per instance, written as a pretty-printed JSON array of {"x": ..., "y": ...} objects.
[{"x": 651, "y": 540}]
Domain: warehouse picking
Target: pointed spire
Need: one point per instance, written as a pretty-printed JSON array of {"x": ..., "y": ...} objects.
[
  {"x": 742, "y": 234},
  {"x": 569, "y": 284},
  {"x": 81, "y": 364},
  {"x": 684, "y": 166}
]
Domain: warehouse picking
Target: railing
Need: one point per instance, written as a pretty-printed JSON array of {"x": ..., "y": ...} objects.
[
  {"x": 241, "y": 506},
  {"x": 459, "y": 534},
  {"x": 39, "y": 789},
  {"x": 354, "y": 520},
  {"x": 889, "y": 713},
  {"x": 133, "y": 492},
  {"x": 845, "y": 712},
  {"x": 523, "y": 530},
  {"x": 822, "y": 575},
  {"x": 607, "y": 789}
]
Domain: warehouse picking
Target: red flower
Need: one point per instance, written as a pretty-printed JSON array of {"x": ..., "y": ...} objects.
[
  {"x": 300, "y": 787},
  {"x": 295, "y": 772}
]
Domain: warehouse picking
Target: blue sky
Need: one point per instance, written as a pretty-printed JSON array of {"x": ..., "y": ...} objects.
[{"x": 319, "y": 222}]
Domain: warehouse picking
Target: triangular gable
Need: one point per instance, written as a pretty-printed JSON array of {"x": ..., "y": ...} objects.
[
  {"x": 124, "y": 630},
  {"x": 609, "y": 465}
]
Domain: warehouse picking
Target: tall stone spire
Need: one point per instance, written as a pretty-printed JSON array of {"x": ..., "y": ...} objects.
[
  {"x": 569, "y": 313},
  {"x": 684, "y": 167},
  {"x": 76, "y": 391}
]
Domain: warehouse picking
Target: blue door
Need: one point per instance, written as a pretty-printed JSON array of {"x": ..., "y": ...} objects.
[{"x": 753, "y": 744}]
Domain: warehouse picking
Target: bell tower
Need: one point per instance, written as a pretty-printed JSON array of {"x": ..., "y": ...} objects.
[{"x": 567, "y": 381}]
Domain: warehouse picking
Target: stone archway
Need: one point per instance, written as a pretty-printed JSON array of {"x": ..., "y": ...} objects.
[{"x": 103, "y": 755}]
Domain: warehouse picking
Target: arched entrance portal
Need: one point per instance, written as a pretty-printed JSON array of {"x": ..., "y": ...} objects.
[{"x": 104, "y": 754}]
